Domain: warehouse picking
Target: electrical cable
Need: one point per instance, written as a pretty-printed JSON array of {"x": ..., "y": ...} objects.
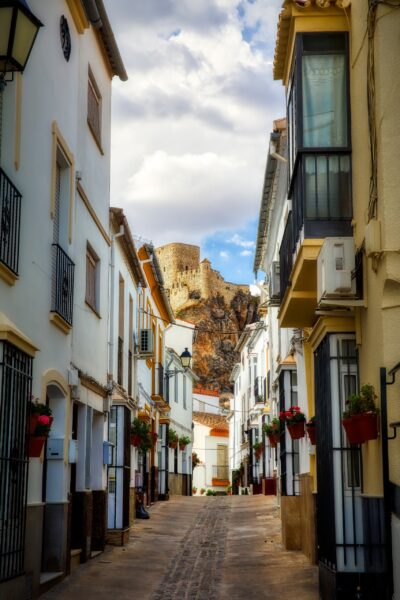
[{"x": 198, "y": 330}]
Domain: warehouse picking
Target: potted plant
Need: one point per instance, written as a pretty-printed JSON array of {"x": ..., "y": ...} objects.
[
  {"x": 195, "y": 460},
  {"x": 229, "y": 490},
  {"x": 39, "y": 424},
  {"x": 273, "y": 432},
  {"x": 184, "y": 441},
  {"x": 172, "y": 439},
  {"x": 141, "y": 436},
  {"x": 294, "y": 420},
  {"x": 360, "y": 419},
  {"x": 202, "y": 491},
  {"x": 311, "y": 427},
  {"x": 194, "y": 490},
  {"x": 258, "y": 448}
]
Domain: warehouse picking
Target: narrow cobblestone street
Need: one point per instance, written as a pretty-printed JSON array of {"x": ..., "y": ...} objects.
[{"x": 201, "y": 549}]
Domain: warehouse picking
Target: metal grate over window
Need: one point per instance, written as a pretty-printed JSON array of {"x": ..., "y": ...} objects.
[{"x": 15, "y": 390}]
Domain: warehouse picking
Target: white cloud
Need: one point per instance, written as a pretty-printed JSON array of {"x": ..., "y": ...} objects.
[
  {"x": 190, "y": 126},
  {"x": 239, "y": 241},
  {"x": 246, "y": 253},
  {"x": 224, "y": 254}
]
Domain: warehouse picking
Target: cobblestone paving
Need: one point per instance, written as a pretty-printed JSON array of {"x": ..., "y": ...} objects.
[{"x": 195, "y": 571}]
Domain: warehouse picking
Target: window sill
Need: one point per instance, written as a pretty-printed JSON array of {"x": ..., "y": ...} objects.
[
  {"x": 92, "y": 308},
  {"x": 7, "y": 275},
  {"x": 60, "y": 323},
  {"x": 95, "y": 137}
]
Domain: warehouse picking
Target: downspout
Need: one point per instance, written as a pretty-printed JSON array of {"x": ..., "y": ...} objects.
[{"x": 112, "y": 303}]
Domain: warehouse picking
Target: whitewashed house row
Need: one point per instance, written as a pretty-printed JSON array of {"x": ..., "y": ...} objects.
[{"x": 54, "y": 297}]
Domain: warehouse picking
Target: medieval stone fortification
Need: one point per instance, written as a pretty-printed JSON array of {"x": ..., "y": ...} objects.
[{"x": 187, "y": 278}]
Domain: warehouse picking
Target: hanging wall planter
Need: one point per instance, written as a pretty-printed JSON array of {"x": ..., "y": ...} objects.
[
  {"x": 296, "y": 430},
  {"x": 361, "y": 428},
  {"x": 35, "y": 446},
  {"x": 274, "y": 439},
  {"x": 360, "y": 419},
  {"x": 311, "y": 428},
  {"x": 135, "y": 440}
]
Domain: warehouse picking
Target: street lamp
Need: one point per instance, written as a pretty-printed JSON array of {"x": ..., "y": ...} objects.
[
  {"x": 186, "y": 359},
  {"x": 18, "y": 30}
]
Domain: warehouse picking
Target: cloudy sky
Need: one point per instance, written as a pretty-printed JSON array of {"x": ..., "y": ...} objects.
[{"x": 191, "y": 126}]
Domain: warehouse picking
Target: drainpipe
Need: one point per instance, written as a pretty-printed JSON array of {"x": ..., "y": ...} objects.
[
  {"x": 112, "y": 303},
  {"x": 386, "y": 482}
]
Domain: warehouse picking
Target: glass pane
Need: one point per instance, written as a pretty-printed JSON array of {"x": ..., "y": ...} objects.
[
  {"x": 25, "y": 32},
  {"x": 324, "y": 101},
  {"x": 325, "y": 42},
  {"x": 310, "y": 187},
  {"x": 5, "y": 22}
]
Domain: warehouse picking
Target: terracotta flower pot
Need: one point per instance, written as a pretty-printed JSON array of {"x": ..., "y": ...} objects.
[
  {"x": 296, "y": 430},
  {"x": 173, "y": 445},
  {"x": 361, "y": 428},
  {"x": 32, "y": 422},
  {"x": 135, "y": 440},
  {"x": 312, "y": 434},
  {"x": 182, "y": 447},
  {"x": 35, "y": 446},
  {"x": 274, "y": 439}
]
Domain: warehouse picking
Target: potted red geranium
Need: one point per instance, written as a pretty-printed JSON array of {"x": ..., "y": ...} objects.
[
  {"x": 273, "y": 432},
  {"x": 39, "y": 421},
  {"x": 295, "y": 421},
  {"x": 311, "y": 427},
  {"x": 360, "y": 419}
]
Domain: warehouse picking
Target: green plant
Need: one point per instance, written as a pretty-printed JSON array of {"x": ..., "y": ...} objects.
[
  {"x": 184, "y": 441},
  {"x": 195, "y": 460},
  {"x": 211, "y": 493},
  {"x": 194, "y": 489},
  {"x": 141, "y": 429},
  {"x": 202, "y": 491},
  {"x": 363, "y": 402},
  {"x": 258, "y": 446},
  {"x": 236, "y": 476},
  {"x": 312, "y": 422},
  {"x": 36, "y": 408},
  {"x": 292, "y": 416},
  {"x": 273, "y": 428},
  {"x": 172, "y": 436}
]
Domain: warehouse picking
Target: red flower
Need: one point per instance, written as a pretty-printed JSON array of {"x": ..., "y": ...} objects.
[{"x": 43, "y": 420}]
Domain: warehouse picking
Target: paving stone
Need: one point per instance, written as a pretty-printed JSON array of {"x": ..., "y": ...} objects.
[{"x": 223, "y": 548}]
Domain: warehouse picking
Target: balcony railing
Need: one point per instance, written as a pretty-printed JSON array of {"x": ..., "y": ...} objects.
[
  {"x": 10, "y": 218},
  {"x": 259, "y": 390},
  {"x": 159, "y": 380},
  {"x": 221, "y": 472},
  {"x": 286, "y": 256},
  {"x": 63, "y": 284},
  {"x": 321, "y": 195},
  {"x": 120, "y": 361}
]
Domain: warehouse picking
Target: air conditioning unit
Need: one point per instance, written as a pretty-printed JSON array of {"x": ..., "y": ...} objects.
[
  {"x": 146, "y": 342},
  {"x": 335, "y": 267},
  {"x": 274, "y": 281}
]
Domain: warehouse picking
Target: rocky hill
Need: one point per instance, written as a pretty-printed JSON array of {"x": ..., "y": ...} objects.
[{"x": 213, "y": 348}]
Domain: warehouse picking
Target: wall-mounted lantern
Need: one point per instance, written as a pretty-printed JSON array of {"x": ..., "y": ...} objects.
[{"x": 18, "y": 30}]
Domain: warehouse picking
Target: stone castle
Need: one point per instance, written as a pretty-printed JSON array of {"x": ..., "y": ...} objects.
[{"x": 187, "y": 278}]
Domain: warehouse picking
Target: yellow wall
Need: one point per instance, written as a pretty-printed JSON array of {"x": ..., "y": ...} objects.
[{"x": 380, "y": 322}]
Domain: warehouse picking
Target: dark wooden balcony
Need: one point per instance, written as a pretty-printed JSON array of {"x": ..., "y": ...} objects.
[
  {"x": 10, "y": 218},
  {"x": 63, "y": 284}
]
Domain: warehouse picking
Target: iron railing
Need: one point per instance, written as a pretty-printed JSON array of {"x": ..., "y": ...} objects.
[
  {"x": 259, "y": 389},
  {"x": 63, "y": 284},
  {"x": 286, "y": 256},
  {"x": 159, "y": 380},
  {"x": 10, "y": 220},
  {"x": 220, "y": 472},
  {"x": 130, "y": 369},
  {"x": 15, "y": 389},
  {"x": 321, "y": 195}
]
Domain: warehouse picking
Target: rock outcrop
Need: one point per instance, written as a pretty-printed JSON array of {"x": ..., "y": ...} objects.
[{"x": 218, "y": 326}]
